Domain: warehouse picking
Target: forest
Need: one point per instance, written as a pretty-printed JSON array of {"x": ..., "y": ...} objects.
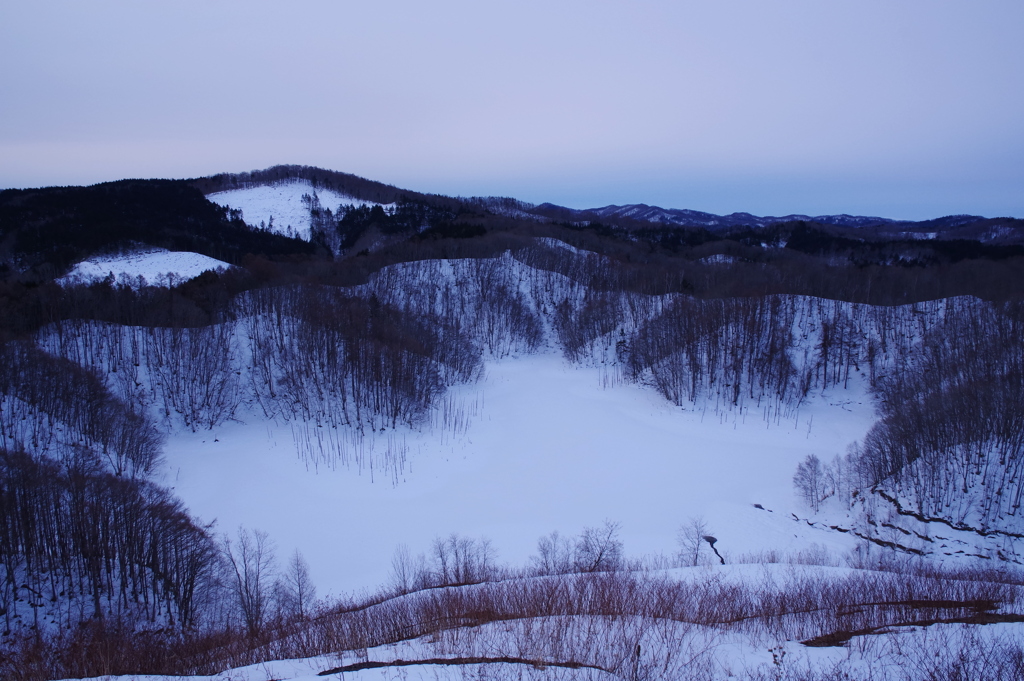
[{"x": 366, "y": 327}]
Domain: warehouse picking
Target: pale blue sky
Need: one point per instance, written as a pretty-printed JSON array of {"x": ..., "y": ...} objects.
[{"x": 907, "y": 109}]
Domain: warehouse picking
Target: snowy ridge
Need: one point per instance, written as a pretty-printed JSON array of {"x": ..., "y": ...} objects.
[
  {"x": 694, "y": 218},
  {"x": 951, "y": 227}
]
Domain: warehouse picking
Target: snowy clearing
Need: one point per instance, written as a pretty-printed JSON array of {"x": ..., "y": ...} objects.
[
  {"x": 279, "y": 207},
  {"x": 549, "y": 449},
  {"x": 157, "y": 266}
]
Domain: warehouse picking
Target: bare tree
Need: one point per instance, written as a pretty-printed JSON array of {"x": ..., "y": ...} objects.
[
  {"x": 295, "y": 589},
  {"x": 252, "y": 575},
  {"x": 405, "y": 572},
  {"x": 598, "y": 549},
  {"x": 461, "y": 560},
  {"x": 810, "y": 480},
  {"x": 690, "y": 538},
  {"x": 554, "y": 555}
]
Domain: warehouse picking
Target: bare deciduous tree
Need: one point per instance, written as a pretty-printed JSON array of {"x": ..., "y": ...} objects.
[
  {"x": 296, "y": 592},
  {"x": 554, "y": 555},
  {"x": 810, "y": 481},
  {"x": 599, "y": 549},
  {"x": 252, "y": 575},
  {"x": 461, "y": 560},
  {"x": 690, "y": 538},
  {"x": 405, "y": 572}
]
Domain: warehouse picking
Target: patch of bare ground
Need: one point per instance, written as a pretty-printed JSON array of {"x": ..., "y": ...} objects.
[
  {"x": 982, "y": 615},
  {"x": 537, "y": 664}
]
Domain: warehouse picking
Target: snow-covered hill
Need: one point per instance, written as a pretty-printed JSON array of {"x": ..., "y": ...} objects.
[
  {"x": 280, "y": 207},
  {"x": 156, "y": 266},
  {"x": 262, "y": 415}
]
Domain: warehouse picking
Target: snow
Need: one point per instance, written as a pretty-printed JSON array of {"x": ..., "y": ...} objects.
[
  {"x": 559, "y": 244},
  {"x": 550, "y": 448},
  {"x": 898, "y": 654},
  {"x": 283, "y": 204},
  {"x": 718, "y": 259},
  {"x": 157, "y": 266},
  {"x": 308, "y": 670}
]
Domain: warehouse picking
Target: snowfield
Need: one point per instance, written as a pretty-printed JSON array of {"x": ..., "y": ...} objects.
[
  {"x": 156, "y": 266},
  {"x": 548, "y": 448},
  {"x": 279, "y": 207}
]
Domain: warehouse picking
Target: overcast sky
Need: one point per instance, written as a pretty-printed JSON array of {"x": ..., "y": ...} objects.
[{"x": 900, "y": 108}]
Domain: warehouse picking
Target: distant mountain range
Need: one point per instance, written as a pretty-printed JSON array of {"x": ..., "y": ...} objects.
[{"x": 971, "y": 227}]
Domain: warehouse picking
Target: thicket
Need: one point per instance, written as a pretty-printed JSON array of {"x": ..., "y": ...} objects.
[
  {"x": 948, "y": 446},
  {"x": 405, "y": 217},
  {"x": 631, "y": 263},
  {"x": 54, "y": 407},
  {"x": 633, "y": 624},
  {"x": 727, "y": 347},
  {"x": 82, "y": 533}
]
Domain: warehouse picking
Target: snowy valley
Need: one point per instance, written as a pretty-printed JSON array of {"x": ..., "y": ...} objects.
[{"x": 510, "y": 448}]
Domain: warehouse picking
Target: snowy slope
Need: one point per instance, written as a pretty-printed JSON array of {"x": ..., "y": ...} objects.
[
  {"x": 157, "y": 266},
  {"x": 900, "y": 653},
  {"x": 280, "y": 207},
  {"x": 548, "y": 449}
]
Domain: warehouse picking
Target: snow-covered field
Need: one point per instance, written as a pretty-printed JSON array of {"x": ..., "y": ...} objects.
[
  {"x": 279, "y": 207},
  {"x": 157, "y": 266},
  {"x": 549, "y": 448}
]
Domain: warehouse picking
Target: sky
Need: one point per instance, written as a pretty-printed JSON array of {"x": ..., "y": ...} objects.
[{"x": 900, "y": 108}]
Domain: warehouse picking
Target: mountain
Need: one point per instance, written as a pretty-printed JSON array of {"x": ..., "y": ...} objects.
[
  {"x": 950, "y": 227},
  {"x": 693, "y": 218}
]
